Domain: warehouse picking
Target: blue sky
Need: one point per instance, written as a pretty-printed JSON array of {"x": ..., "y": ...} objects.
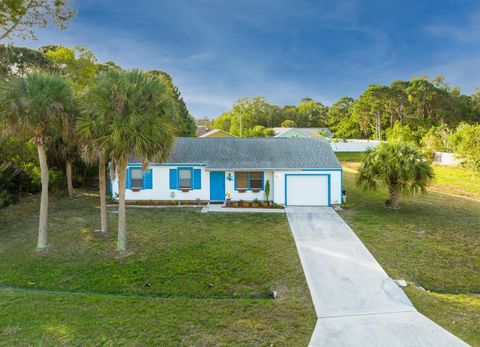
[{"x": 219, "y": 51}]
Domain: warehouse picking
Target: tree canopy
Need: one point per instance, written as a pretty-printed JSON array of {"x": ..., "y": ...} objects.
[
  {"x": 19, "y": 18},
  {"x": 248, "y": 114},
  {"x": 418, "y": 104}
]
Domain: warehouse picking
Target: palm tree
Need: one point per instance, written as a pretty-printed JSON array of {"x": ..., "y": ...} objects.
[
  {"x": 135, "y": 111},
  {"x": 400, "y": 166},
  {"x": 31, "y": 108},
  {"x": 92, "y": 131},
  {"x": 64, "y": 146}
]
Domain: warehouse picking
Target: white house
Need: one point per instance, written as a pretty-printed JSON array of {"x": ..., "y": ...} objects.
[{"x": 300, "y": 171}]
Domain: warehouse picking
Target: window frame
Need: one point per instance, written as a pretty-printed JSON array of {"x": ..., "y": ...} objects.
[
  {"x": 132, "y": 170},
  {"x": 249, "y": 180},
  {"x": 187, "y": 169}
]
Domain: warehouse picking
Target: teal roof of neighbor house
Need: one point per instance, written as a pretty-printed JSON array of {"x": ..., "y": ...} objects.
[
  {"x": 307, "y": 132},
  {"x": 253, "y": 153}
]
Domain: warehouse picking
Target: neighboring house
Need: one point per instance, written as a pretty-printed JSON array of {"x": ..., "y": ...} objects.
[
  {"x": 301, "y": 171},
  {"x": 217, "y": 133},
  {"x": 201, "y": 130},
  {"x": 302, "y": 132}
]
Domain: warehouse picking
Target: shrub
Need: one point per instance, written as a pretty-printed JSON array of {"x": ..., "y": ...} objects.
[
  {"x": 267, "y": 190},
  {"x": 437, "y": 139},
  {"x": 466, "y": 142}
]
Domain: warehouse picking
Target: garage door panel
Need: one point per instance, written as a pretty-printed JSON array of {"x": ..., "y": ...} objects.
[{"x": 307, "y": 190}]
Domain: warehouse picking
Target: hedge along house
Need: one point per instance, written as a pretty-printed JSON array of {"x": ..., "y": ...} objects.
[{"x": 301, "y": 171}]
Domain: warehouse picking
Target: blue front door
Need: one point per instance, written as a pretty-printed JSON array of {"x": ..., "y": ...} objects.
[{"x": 217, "y": 185}]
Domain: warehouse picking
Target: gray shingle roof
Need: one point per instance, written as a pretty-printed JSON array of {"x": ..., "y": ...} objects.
[{"x": 253, "y": 153}]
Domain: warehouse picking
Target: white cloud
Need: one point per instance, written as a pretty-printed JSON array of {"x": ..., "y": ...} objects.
[{"x": 468, "y": 32}]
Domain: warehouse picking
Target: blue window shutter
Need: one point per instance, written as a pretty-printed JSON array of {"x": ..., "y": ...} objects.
[
  {"x": 173, "y": 179},
  {"x": 147, "y": 179},
  {"x": 263, "y": 180},
  {"x": 129, "y": 179},
  {"x": 197, "y": 179}
]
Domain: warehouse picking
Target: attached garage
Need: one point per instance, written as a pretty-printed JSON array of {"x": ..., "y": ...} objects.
[{"x": 307, "y": 190}]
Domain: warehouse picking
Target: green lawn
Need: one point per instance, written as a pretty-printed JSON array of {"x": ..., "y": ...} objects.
[
  {"x": 432, "y": 241},
  {"x": 198, "y": 279},
  {"x": 350, "y": 156},
  {"x": 202, "y": 279},
  {"x": 457, "y": 180}
]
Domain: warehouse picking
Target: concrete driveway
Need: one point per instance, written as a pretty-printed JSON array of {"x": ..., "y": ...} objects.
[{"x": 356, "y": 303}]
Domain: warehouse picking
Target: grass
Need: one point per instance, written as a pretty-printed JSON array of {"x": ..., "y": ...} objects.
[
  {"x": 456, "y": 312},
  {"x": 432, "y": 241},
  {"x": 87, "y": 320},
  {"x": 198, "y": 279},
  {"x": 350, "y": 156},
  {"x": 205, "y": 280},
  {"x": 457, "y": 180}
]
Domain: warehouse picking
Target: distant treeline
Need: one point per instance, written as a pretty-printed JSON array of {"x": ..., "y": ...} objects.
[{"x": 419, "y": 104}]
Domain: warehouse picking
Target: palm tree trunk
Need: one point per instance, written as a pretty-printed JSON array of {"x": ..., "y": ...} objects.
[
  {"x": 122, "y": 227},
  {"x": 394, "y": 197},
  {"x": 42, "y": 243},
  {"x": 103, "y": 195},
  {"x": 68, "y": 165}
]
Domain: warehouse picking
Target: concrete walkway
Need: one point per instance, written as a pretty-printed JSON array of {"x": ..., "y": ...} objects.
[
  {"x": 220, "y": 209},
  {"x": 356, "y": 303}
]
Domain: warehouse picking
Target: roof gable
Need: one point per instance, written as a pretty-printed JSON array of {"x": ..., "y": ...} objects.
[
  {"x": 302, "y": 132},
  {"x": 217, "y": 133}
]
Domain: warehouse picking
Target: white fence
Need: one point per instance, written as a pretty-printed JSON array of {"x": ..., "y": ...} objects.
[
  {"x": 353, "y": 145},
  {"x": 444, "y": 158}
]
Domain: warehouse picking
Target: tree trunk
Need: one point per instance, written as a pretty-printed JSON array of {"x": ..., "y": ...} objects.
[
  {"x": 68, "y": 165},
  {"x": 42, "y": 243},
  {"x": 122, "y": 227},
  {"x": 378, "y": 127},
  {"x": 401, "y": 115},
  {"x": 103, "y": 195},
  {"x": 394, "y": 197}
]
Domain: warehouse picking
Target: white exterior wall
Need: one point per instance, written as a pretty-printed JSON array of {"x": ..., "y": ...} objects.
[
  {"x": 161, "y": 186},
  {"x": 335, "y": 184}
]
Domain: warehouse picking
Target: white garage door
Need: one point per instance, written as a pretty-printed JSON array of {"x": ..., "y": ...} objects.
[{"x": 307, "y": 190}]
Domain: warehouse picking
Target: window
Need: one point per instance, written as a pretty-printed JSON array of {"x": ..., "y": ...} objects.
[
  {"x": 185, "y": 178},
  {"x": 249, "y": 180},
  {"x": 241, "y": 180},
  {"x": 256, "y": 180},
  {"x": 136, "y": 178}
]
